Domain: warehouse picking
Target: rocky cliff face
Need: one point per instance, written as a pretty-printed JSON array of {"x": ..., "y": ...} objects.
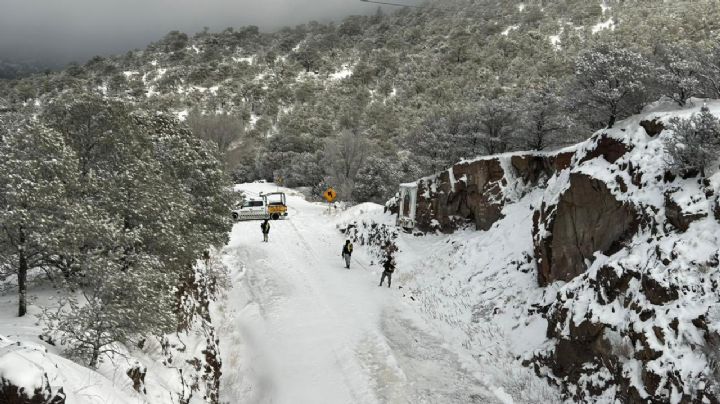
[
  {"x": 585, "y": 219},
  {"x": 475, "y": 192},
  {"x": 638, "y": 249},
  {"x": 630, "y": 250}
]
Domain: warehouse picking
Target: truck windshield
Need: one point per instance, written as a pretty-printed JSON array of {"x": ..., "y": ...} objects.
[{"x": 275, "y": 199}]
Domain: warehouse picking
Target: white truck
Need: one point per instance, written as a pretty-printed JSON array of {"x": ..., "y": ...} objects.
[{"x": 265, "y": 206}]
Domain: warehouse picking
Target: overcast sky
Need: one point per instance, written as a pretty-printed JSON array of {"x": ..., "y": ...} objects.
[{"x": 67, "y": 30}]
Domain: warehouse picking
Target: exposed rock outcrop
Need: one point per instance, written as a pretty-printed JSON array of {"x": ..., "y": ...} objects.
[
  {"x": 591, "y": 353},
  {"x": 586, "y": 219},
  {"x": 475, "y": 192},
  {"x": 677, "y": 216},
  {"x": 630, "y": 247},
  {"x": 641, "y": 276},
  {"x": 610, "y": 149},
  {"x": 652, "y": 127}
]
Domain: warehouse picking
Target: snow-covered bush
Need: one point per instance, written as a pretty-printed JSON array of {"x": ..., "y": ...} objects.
[{"x": 695, "y": 144}]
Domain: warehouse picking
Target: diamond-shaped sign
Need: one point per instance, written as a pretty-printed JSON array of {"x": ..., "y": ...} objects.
[{"x": 330, "y": 195}]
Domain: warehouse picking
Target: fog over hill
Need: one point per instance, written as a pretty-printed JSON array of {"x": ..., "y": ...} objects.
[{"x": 75, "y": 30}]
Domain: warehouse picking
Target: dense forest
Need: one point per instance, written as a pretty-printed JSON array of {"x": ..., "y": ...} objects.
[{"x": 373, "y": 100}]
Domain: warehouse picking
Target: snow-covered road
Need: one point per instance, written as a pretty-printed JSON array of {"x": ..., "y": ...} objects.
[{"x": 297, "y": 327}]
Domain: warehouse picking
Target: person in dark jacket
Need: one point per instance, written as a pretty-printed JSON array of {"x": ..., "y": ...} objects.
[
  {"x": 347, "y": 253},
  {"x": 265, "y": 226},
  {"x": 389, "y": 268}
]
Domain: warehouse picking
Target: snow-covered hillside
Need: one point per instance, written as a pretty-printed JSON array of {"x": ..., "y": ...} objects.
[
  {"x": 180, "y": 367},
  {"x": 625, "y": 253},
  {"x": 597, "y": 282}
]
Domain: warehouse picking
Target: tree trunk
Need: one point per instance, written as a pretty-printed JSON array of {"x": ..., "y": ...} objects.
[
  {"x": 22, "y": 277},
  {"x": 94, "y": 359},
  {"x": 612, "y": 121}
]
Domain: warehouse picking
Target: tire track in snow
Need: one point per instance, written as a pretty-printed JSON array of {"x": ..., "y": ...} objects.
[
  {"x": 348, "y": 357},
  {"x": 388, "y": 356},
  {"x": 408, "y": 364}
]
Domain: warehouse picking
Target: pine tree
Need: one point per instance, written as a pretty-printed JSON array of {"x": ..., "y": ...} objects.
[
  {"x": 679, "y": 71},
  {"x": 37, "y": 173},
  {"x": 542, "y": 120},
  {"x": 610, "y": 80}
]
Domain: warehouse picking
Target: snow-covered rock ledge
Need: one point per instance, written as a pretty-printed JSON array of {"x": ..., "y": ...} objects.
[
  {"x": 638, "y": 247},
  {"x": 475, "y": 191},
  {"x": 626, "y": 248}
]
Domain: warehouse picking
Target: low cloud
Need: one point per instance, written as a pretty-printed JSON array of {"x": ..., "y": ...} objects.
[{"x": 64, "y": 30}]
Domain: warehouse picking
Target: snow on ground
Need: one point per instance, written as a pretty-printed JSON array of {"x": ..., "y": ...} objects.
[
  {"x": 23, "y": 356},
  {"x": 507, "y": 30},
  {"x": 345, "y": 72},
  {"x": 609, "y": 24},
  {"x": 246, "y": 59},
  {"x": 182, "y": 115},
  {"x": 300, "y": 328}
]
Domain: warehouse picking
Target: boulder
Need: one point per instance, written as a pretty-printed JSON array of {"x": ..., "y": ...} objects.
[
  {"x": 657, "y": 293},
  {"x": 24, "y": 377},
  {"x": 609, "y": 148},
  {"x": 652, "y": 128},
  {"x": 677, "y": 217},
  {"x": 137, "y": 375},
  {"x": 586, "y": 219},
  {"x": 12, "y": 394},
  {"x": 473, "y": 192}
]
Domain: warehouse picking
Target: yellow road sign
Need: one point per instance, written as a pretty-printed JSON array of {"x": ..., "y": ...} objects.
[{"x": 330, "y": 194}]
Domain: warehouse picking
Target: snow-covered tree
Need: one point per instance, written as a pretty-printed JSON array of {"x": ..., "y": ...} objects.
[
  {"x": 435, "y": 142},
  {"x": 377, "y": 180},
  {"x": 221, "y": 129},
  {"x": 542, "y": 119},
  {"x": 304, "y": 169},
  {"x": 695, "y": 143},
  {"x": 155, "y": 197},
  {"x": 710, "y": 69},
  {"x": 343, "y": 157},
  {"x": 191, "y": 166},
  {"x": 121, "y": 299},
  {"x": 37, "y": 173},
  {"x": 610, "y": 80},
  {"x": 495, "y": 123},
  {"x": 679, "y": 70}
]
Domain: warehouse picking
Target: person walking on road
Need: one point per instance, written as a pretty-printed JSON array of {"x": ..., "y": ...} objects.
[
  {"x": 265, "y": 226},
  {"x": 347, "y": 253},
  {"x": 389, "y": 268}
]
